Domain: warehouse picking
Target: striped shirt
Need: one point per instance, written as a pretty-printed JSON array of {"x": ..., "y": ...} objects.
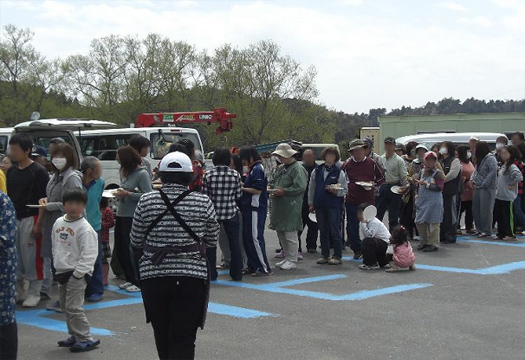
[{"x": 198, "y": 212}]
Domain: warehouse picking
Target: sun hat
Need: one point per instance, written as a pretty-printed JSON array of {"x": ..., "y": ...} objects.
[
  {"x": 284, "y": 150},
  {"x": 430, "y": 154},
  {"x": 176, "y": 162},
  {"x": 390, "y": 140}
]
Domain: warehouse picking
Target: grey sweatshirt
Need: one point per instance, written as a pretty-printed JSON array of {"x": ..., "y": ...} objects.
[
  {"x": 509, "y": 179},
  {"x": 138, "y": 182},
  {"x": 484, "y": 177}
]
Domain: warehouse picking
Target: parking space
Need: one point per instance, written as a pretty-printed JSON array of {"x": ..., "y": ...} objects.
[{"x": 463, "y": 302}]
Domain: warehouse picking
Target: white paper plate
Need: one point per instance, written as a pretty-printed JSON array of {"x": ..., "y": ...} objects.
[
  {"x": 396, "y": 189},
  {"x": 37, "y": 206},
  {"x": 312, "y": 217},
  {"x": 367, "y": 184},
  {"x": 108, "y": 193},
  {"x": 369, "y": 212},
  {"x": 272, "y": 191}
]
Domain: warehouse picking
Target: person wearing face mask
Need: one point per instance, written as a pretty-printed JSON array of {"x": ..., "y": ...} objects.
[
  {"x": 429, "y": 203},
  {"x": 467, "y": 169},
  {"x": 65, "y": 177},
  {"x": 451, "y": 192},
  {"x": 501, "y": 142}
]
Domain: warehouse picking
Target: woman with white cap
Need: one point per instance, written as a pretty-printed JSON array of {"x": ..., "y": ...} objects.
[
  {"x": 429, "y": 203},
  {"x": 289, "y": 184},
  {"x": 171, "y": 230}
]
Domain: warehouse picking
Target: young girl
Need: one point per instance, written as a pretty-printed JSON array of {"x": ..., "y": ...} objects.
[
  {"x": 400, "y": 256},
  {"x": 506, "y": 191},
  {"x": 108, "y": 221}
]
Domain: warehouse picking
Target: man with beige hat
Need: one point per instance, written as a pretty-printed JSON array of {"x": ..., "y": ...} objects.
[{"x": 287, "y": 190}]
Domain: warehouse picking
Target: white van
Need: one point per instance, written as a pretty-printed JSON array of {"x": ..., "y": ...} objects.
[
  {"x": 5, "y": 135},
  {"x": 104, "y": 144},
  {"x": 43, "y": 130},
  {"x": 456, "y": 138}
]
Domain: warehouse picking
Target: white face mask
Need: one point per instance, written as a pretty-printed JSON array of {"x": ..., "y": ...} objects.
[
  {"x": 469, "y": 155},
  {"x": 245, "y": 169},
  {"x": 59, "y": 162},
  {"x": 499, "y": 145},
  {"x": 443, "y": 151}
]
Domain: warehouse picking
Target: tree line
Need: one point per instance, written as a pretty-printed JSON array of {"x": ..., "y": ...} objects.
[{"x": 119, "y": 77}]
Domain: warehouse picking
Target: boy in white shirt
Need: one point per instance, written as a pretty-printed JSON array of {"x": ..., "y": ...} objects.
[
  {"x": 75, "y": 250},
  {"x": 375, "y": 239}
]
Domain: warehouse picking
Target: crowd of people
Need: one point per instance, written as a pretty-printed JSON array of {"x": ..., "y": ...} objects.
[{"x": 55, "y": 221}]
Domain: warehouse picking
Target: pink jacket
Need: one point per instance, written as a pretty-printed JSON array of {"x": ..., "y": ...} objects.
[{"x": 403, "y": 255}]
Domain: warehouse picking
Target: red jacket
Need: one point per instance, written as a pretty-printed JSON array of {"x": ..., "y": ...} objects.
[{"x": 366, "y": 170}]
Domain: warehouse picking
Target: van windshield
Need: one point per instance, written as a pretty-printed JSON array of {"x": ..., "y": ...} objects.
[{"x": 160, "y": 144}]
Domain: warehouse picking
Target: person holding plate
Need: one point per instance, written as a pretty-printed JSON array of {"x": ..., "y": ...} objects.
[
  {"x": 395, "y": 175},
  {"x": 362, "y": 174},
  {"x": 326, "y": 192}
]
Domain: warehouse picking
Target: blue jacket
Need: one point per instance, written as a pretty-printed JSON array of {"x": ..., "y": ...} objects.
[
  {"x": 94, "y": 195},
  {"x": 256, "y": 178},
  {"x": 324, "y": 199}
]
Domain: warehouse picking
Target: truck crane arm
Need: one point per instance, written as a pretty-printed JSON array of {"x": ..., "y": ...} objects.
[{"x": 218, "y": 115}]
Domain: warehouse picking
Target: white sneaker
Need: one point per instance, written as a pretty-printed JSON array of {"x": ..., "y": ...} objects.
[
  {"x": 281, "y": 263},
  {"x": 133, "y": 289},
  {"x": 125, "y": 285},
  {"x": 21, "y": 293},
  {"x": 31, "y": 301},
  {"x": 288, "y": 265}
]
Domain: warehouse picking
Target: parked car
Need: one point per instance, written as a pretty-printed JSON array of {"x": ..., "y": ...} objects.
[{"x": 456, "y": 138}]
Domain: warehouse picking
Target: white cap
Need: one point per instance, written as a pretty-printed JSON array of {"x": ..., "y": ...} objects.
[{"x": 176, "y": 162}]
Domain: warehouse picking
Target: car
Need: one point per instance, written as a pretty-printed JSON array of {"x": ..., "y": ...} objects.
[
  {"x": 456, "y": 138},
  {"x": 42, "y": 131},
  {"x": 104, "y": 144}
]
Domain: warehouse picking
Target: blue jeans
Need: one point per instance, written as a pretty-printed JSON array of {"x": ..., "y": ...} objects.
[
  {"x": 96, "y": 284},
  {"x": 387, "y": 200},
  {"x": 518, "y": 211},
  {"x": 329, "y": 222},
  {"x": 352, "y": 227}
]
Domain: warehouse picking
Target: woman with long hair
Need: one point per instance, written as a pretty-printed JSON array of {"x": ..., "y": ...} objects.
[
  {"x": 509, "y": 177},
  {"x": 484, "y": 181},
  {"x": 134, "y": 181}
]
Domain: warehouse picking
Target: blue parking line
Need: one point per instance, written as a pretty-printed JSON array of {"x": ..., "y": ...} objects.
[
  {"x": 280, "y": 288},
  {"x": 491, "y": 270},
  {"x": 499, "y": 243},
  {"x": 239, "y": 312}
]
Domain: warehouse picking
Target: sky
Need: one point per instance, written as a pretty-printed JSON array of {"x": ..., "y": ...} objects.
[{"x": 368, "y": 53}]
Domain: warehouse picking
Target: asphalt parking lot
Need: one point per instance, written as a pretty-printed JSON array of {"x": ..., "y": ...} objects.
[{"x": 464, "y": 302}]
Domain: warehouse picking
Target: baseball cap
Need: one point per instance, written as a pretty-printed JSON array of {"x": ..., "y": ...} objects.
[
  {"x": 368, "y": 142},
  {"x": 390, "y": 140},
  {"x": 421, "y": 146},
  {"x": 176, "y": 162},
  {"x": 38, "y": 151},
  {"x": 355, "y": 144}
]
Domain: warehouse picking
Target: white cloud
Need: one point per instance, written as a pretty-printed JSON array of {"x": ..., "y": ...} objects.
[
  {"x": 478, "y": 20},
  {"x": 453, "y": 6}
]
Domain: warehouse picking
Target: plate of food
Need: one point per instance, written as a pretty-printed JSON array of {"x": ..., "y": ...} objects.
[
  {"x": 335, "y": 187},
  {"x": 272, "y": 191},
  {"x": 35, "y": 206},
  {"x": 156, "y": 186},
  {"x": 312, "y": 217},
  {"x": 397, "y": 189}
]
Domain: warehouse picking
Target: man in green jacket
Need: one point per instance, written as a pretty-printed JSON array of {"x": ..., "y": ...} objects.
[{"x": 289, "y": 184}]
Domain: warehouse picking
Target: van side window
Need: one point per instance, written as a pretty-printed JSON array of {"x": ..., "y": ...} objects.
[
  {"x": 3, "y": 144},
  {"x": 104, "y": 147}
]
